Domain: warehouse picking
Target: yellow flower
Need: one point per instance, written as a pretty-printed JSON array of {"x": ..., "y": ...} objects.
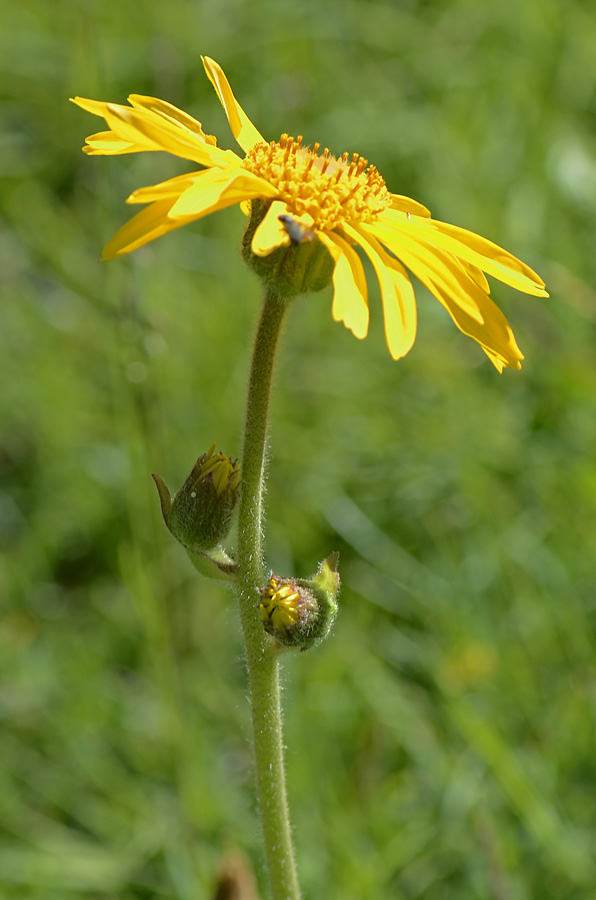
[{"x": 341, "y": 201}]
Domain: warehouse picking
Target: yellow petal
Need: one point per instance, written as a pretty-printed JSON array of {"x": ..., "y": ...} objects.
[
  {"x": 474, "y": 249},
  {"x": 407, "y": 205},
  {"x": 271, "y": 234},
  {"x": 170, "y": 189},
  {"x": 469, "y": 306},
  {"x": 498, "y": 362},
  {"x": 156, "y": 133},
  {"x": 399, "y": 303},
  {"x": 109, "y": 143},
  {"x": 479, "y": 251},
  {"x": 171, "y": 114},
  {"x": 219, "y": 188},
  {"x": 476, "y": 275},
  {"x": 350, "y": 296},
  {"x": 147, "y": 225},
  {"x": 419, "y": 256},
  {"x": 106, "y": 143},
  {"x": 97, "y": 107},
  {"x": 242, "y": 128},
  {"x": 151, "y": 129}
]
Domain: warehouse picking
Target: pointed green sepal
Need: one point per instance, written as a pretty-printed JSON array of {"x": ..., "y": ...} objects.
[
  {"x": 165, "y": 498},
  {"x": 327, "y": 577}
]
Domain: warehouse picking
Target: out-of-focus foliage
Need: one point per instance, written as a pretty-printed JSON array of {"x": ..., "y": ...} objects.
[{"x": 441, "y": 743}]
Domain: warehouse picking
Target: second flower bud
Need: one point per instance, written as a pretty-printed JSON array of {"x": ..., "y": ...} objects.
[{"x": 299, "y": 612}]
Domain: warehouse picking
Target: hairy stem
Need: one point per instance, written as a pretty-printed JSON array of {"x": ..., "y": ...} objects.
[{"x": 262, "y": 658}]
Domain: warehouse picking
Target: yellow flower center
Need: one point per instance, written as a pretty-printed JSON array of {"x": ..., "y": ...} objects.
[
  {"x": 279, "y": 605},
  {"x": 330, "y": 190}
]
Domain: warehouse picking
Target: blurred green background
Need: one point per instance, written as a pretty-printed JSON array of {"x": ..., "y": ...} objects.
[{"x": 441, "y": 743}]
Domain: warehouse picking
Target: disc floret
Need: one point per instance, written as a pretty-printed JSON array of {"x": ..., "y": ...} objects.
[{"x": 331, "y": 190}]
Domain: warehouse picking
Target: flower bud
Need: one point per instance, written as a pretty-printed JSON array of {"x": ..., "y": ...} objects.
[
  {"x": 304, "y": 266},
  {"x": 200, "y": 514},
  {"x": 299, "y": 612}
]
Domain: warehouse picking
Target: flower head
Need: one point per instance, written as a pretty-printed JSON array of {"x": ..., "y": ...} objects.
[
  {"x": 299, "y": 612},
  {"x": 310, "y": 195}
]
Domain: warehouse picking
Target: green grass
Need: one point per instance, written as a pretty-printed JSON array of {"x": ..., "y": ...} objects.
[{"x": 441, "y": 743}]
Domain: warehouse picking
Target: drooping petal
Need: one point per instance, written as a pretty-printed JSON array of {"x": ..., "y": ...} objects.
[
  {"x": 350, "y": 295},
  {"x": 407, "y": 205},
  {"x": 417, "y": 255},
  {"x": 242, "y": 128},
  {"x": 150, "y": 223},
  {"x": 219, "y": 188},
  {"x": 270, "y": 233},
  {"x": 478, "y": 251},
  {"x": 469, "y": 306},
  {"x": 399, "y": 303},
  {"x": 172, "y": 206}
]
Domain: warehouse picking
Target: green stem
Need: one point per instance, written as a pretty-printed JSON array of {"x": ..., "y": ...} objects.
[{"x": 262, "y": 658}]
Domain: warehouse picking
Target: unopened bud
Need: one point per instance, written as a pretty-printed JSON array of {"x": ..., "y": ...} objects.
[
  {"x": 200, "y": 514},
  {"x": 299, "y": 612}
]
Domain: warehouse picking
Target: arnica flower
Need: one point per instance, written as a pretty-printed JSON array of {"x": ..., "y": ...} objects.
[{"x": 341, "y": 201}]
